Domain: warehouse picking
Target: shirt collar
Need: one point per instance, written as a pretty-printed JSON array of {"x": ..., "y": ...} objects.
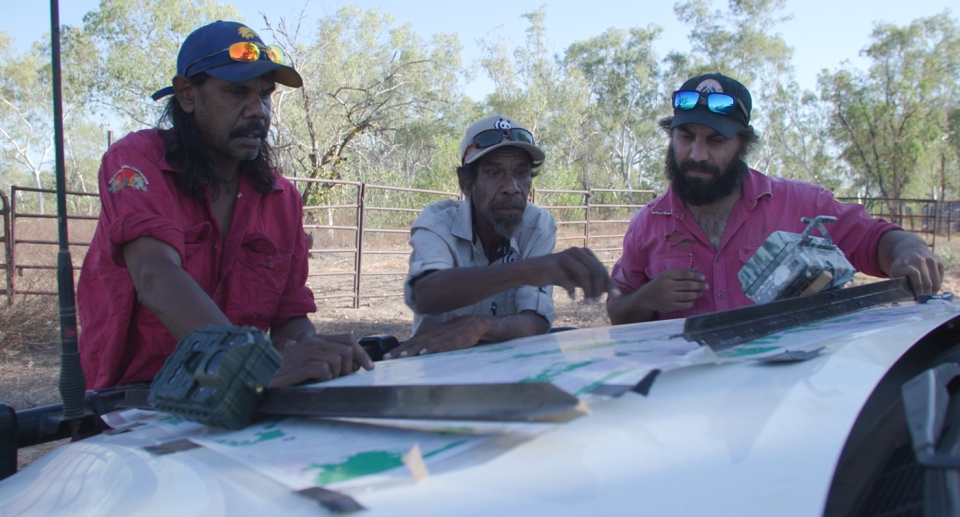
[
  {"x": 462, "y": 227},
  {"x": 462, "y": 222},
  {"x": 278, "y": 186},
  {"x": 755, "y": 186}
]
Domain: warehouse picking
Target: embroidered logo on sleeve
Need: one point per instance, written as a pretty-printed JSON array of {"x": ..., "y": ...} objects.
[{"x": 128, "y": 176}]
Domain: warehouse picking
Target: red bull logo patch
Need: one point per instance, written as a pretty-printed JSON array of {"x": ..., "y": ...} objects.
[{"x": 128, "y": 177}]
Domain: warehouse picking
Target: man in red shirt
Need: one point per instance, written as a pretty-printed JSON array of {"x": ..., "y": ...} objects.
[
  {"x": 682, "y": 251},
  {"x": 196, "y": 228}
]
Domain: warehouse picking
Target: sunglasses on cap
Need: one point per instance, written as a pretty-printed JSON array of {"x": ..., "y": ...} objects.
[
  {"x": 248, "y": 52},
  {"x": 491, "y": 137},
  {"x": 720, "y": 103}
]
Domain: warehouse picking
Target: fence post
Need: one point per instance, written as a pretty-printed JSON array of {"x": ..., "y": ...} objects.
[
  {"x": 936, "y": 223},
  {"x": 11, "y": 258},
  {"x": 358, "y": 259},
  {"x": 949, "y": 219},
  {"x": 586, "y": 225},
  {"x": 7, "y": 247}
]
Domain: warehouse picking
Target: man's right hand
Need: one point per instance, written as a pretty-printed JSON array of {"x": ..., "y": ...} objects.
[
  {"x": 570, "y": 269},
  {"x": 673, "y": 290},
  {"x": 313, "y": 357}
]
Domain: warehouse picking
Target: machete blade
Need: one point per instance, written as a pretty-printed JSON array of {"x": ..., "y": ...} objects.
[
  {"x": 725, "y": 329},
  {"x": 507, "y": 402}
]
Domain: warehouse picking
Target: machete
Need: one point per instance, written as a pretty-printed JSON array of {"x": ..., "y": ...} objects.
[
  {"x": 506, "y": 402},
  {"x": 725, "y": 329}
]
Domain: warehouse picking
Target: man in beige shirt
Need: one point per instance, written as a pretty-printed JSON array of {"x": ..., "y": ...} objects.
[{"x": 483, "y": 269}]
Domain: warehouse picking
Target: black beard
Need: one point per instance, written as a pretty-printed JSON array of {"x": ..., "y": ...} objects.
[{"x": 698, "y": 192}]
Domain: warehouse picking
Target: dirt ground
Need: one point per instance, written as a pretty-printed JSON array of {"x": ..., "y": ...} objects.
[{"x": 29, "y": 357}]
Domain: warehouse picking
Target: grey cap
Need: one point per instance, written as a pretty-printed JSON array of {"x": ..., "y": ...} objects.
[{"x": 495, "y": 122}]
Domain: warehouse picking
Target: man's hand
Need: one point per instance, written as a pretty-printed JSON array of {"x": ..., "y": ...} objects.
[
  {"x": 673, "y": 290},
  {"x": 572, "y": 268},
  {"x": 922, "y": 267},
  {"x": 313, "y": 357},
  {"x": 901, "y": 253},
  {"x": 455, "y": 334}
]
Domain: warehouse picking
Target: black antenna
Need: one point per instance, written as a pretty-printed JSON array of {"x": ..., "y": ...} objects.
[{"x": 72, "y": 384}]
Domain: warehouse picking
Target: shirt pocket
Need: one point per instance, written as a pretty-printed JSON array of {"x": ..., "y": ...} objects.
[
  {"x": 661, "y": 264},
  {"x": 747, "y": 252},
  {"x": 259, "y": 277},
  {"x": 195, "y": 255}
]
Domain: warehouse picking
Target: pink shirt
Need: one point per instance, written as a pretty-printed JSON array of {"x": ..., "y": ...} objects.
[
  {"x": 664, "y": 235},
  {"x": 257, "y": 276}
]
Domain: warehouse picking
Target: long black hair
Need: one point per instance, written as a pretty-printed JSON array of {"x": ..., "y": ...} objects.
[{"x": 186, "y": 152}]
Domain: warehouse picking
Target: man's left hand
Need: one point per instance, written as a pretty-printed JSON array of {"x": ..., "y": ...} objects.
[
  {"x": 456, "y": 334},
  {"x": 922, "y": 267}
]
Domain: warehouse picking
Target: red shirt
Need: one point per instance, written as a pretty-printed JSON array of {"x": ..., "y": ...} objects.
[
  {"x": 257, "y": 276},
  {"x": 664, "y": 235}
]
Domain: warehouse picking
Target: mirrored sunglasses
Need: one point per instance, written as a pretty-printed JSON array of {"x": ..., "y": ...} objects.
[
  {"x": 720, "y": 103},
  {"x": 248, "y": 52}
]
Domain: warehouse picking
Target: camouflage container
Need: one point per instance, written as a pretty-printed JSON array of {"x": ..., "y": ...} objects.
[
  {"x": 790, "y": 265},
  {"x": 216, "y": 376}
]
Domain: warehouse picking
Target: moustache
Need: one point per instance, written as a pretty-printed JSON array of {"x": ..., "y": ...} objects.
[
  {"x": 255, "y": 127},
  {"x": 704, "y": 166},
  {"x": 517, "y": 203}
]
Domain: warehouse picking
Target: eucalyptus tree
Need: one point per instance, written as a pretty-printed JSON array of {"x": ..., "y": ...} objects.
[
  {"x": 623, "y": 72},
  {"x": 26, "y": 125},
  {"x": 536, "y": 88},
  {"x": 887, "y": 120},
  {"x": 374, "y": 99},
  {"x": 127, "y": 49},
  {"x": 740, "y": 42}
]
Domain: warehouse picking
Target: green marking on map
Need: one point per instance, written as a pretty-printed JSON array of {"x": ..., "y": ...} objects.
[
  {"x": 526, "y": 356},
  {"x": 265, "y": 434},
  {"x": 362, "y": 464},
  {"x": 746, "y": 351},
  {"x": 171, "y": 420},
  {"x": 556, "y": 370},
  {"x": 602, "y": 380},
  {"x": 456, "y": 430},
  {"x": 445, "y": 448},
  {"x": 365, "y": 464}
]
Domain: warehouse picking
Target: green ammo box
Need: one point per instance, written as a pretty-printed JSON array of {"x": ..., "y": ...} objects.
[{"x": 216, "y": 376}]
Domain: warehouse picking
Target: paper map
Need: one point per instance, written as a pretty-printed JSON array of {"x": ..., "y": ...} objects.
[{"x": 346, "y": 454}]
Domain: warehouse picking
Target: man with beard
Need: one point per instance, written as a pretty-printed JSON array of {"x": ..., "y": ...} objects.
[
  {"x": 683, "y": 250},
  {"x": 482, "y": 269},
  {"x": 196, "y": 227}
]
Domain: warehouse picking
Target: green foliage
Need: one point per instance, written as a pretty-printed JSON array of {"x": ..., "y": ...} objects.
[
  {"x": 891, "y": 121},
  {"x": 384, "y": 105},
  {"x": 127, "y": 49}
]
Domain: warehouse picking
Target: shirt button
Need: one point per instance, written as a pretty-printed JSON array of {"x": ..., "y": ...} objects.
[
  {"x": 270, "y": 265},
  {"x": 720, "y": 295}
]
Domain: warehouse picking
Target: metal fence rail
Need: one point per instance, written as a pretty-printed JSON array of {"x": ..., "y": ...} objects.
[
  {"x": 919, "y": 216},
  {"x": 370, "y": 224},
  {"x": 16, "y": 265}
]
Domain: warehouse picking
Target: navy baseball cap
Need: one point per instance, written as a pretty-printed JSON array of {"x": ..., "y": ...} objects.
[
  {"x": 207, "y": 49},
  {"x": 727, "y": 125}
]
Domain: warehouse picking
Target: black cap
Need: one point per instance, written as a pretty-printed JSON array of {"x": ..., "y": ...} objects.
[{"x": 727, "y": 125}]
